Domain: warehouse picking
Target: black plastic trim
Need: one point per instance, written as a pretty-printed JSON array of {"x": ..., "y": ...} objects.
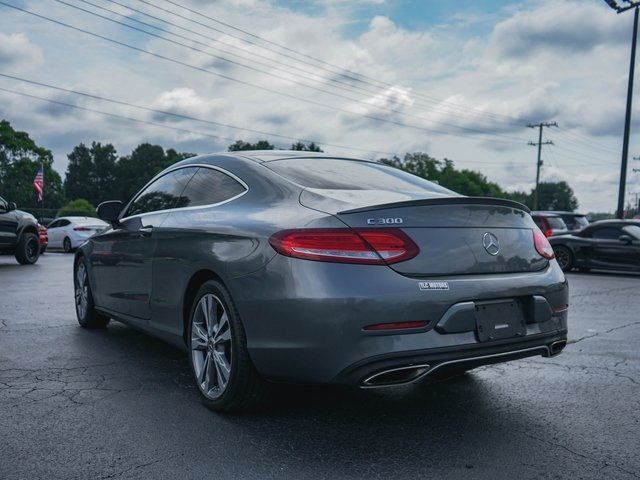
[{"x": 500, "y": 202}]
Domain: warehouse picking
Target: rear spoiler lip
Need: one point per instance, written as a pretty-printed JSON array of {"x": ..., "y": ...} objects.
[{"x": 499, "y": 202}]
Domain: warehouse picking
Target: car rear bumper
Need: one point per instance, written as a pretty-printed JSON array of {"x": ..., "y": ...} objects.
[
  {"x": 408, "y": 367},
  {"x": 304, "y": 320}
]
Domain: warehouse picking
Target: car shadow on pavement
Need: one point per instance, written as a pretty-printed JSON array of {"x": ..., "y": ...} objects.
[{"x": 453, "y": 423}]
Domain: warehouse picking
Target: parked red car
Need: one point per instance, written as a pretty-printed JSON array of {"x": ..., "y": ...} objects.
[{"x": 44, "y": 238}]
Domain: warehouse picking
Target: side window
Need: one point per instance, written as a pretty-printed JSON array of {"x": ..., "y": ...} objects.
[
  {"x": 607, "y": 233},
  {"x": 54, "y": 224},
  {"x": 64, "y": 223},
  {"x": 162, "y": 194},
  {"x": 209, "y": 186}
]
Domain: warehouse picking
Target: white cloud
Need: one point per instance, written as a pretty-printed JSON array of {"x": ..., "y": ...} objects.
[
  {"x": 535, "y": 60},
  {"x": 18, "y": 53}
]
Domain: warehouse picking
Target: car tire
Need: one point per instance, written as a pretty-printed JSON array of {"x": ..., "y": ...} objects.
[
  {"x": 28, "y": 249},
  {"x": 217, "y": 347},
  {"x": 88, "y": 316},
  {"x": 564, "y": 256},
  {"x": 66, "y": 245}
]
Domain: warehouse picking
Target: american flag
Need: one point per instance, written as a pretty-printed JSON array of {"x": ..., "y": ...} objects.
[{"x": 38, "y": 184}]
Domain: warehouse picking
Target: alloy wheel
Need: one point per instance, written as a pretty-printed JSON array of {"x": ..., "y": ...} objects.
[
  {"x": 33, "y": 248},
  {"x": 562, "y": 255},
  {"x": 82, "y": 291},
  {"x": 211, "y": 346}
]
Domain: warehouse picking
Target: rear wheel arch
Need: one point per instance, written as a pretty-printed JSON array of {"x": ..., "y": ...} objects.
[{"x": 194, "y": 284}]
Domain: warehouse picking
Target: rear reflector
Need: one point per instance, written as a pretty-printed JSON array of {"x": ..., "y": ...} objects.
[
  {"x": 81, "y": 229},
  {"x": 395, "y": 326},
  {"x": 375, "y": 246},
  {"x": 543, "y": 247}
]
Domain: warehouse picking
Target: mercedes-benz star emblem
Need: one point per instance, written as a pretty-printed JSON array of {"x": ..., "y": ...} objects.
[{"x": 491, "y": 244}]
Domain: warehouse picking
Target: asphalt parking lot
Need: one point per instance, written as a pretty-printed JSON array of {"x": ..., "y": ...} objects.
[{"x": 118, "y": 404}]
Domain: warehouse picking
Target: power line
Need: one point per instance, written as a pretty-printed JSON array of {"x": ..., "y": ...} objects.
[
  {"x": 340, "y": 70},
  {"x": 114, "y": 115},
  {"x": 342, "y": 85},
  {"x": 588, "y": 140},
  {"x": 264, "y": 72},
  {"x": 182, "y": 116},
  {"x": 243, "y": 82}
]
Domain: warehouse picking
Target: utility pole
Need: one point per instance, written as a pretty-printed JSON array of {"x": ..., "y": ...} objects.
[
  {"x": 626, "y": 5},
  {"x": 539, "y": 144}
]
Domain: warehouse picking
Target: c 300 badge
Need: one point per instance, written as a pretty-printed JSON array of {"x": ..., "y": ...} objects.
[{"x": 424, "y": 286}]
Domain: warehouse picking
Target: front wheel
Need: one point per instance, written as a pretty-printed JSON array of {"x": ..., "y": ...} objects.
[
  {"x": 88, "y": 316},
  {"x": 28, "y": 249},
  {"x": 564, "y": 256},
  {"x": 220, "y": 363},
  {"x": 66, "y": 245}
]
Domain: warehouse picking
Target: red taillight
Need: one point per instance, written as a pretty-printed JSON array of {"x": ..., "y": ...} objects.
[
  {"x": 345, "y": 245},
  {"x": 396, "y": 326},
  {"x": 548, "y": 232},
  {"x": 82, "y": 229},
  {"x": 543, "y": 247}
]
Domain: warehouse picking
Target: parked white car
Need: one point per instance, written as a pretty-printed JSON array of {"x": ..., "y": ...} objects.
[{"x": 69, "y": 233}]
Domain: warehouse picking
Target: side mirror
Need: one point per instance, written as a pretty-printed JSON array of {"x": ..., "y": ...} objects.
[
  {"x": 110, "y": 211},
  {"x": 12, "y": 206},
  {"x": 625, "y": 239}
]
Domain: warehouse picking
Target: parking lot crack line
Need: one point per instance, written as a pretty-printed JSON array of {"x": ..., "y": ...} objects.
[
  {"x": 136, "y": 467},
  {"x": 597, "y": 334},
  {"x": 578, "y": 454}
]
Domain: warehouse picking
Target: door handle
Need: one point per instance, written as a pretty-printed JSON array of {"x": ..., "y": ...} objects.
[{"x": 146, "y": 231}]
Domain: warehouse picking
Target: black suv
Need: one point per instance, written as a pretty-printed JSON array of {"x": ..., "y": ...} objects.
[{"x": 18, "y": 233}]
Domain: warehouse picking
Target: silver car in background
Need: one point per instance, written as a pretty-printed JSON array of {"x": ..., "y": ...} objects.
[{"x": 297, "y": 267}]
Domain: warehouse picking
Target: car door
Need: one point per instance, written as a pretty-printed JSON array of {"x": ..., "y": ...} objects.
[
  {"x": 8, "y": 225},
  {"x": 54, "y": 231},
  {"x": 184, "y": 234},
  {"x": 122, "y": 256},
  {"x": 609, "y": 251}
]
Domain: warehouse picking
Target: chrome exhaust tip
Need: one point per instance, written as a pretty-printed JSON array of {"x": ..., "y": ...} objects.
[
  {"x": 395, "y": 376},
  {"x": 556, "y": 347}
]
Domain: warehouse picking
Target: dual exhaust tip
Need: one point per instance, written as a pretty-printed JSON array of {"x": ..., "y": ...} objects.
[
  {"x": 396, "y": 376},
  {"x": 411, "y": 373}
]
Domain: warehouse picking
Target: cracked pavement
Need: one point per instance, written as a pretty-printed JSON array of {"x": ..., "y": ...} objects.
[{"x": 116, "y": 404}]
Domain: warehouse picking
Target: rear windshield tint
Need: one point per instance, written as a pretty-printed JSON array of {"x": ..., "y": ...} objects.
[
  {"x": 556, "y": 223},
  {"x": 581, "y": 221},
  {"x": 337, "y": 174}
]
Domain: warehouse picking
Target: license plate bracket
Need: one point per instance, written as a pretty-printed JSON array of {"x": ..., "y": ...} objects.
[{"x": 500, "y": 319}]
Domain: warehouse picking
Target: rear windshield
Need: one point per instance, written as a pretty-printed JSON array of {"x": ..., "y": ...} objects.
[
  {"x": 336, "y": 174},
  {"x": 556, "y": 223},
  {"x": 580, "y": 221}
]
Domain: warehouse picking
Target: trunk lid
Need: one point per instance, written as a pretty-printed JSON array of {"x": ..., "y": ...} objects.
[{"x": 456, "y": 235}]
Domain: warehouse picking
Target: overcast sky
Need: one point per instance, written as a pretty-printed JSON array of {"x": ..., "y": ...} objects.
[{"x": 453, "y": 79}]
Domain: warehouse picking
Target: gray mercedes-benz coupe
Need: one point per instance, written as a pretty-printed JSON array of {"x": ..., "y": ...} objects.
[{"x": 280, "y": 266}]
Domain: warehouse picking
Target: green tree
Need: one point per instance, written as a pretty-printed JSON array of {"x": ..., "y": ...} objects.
[
  {"x": 311, "y": 147},
  {"x": 556, "y": 196},
  {"x": 443, "y": 172},
  {"x": 80, "y": 207},
  {"x": 135, "y": 170},
  {"x": 20, "y": 160},
  {"x": 240, "y": 145},
  {"x": 91, "y": 172}
]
